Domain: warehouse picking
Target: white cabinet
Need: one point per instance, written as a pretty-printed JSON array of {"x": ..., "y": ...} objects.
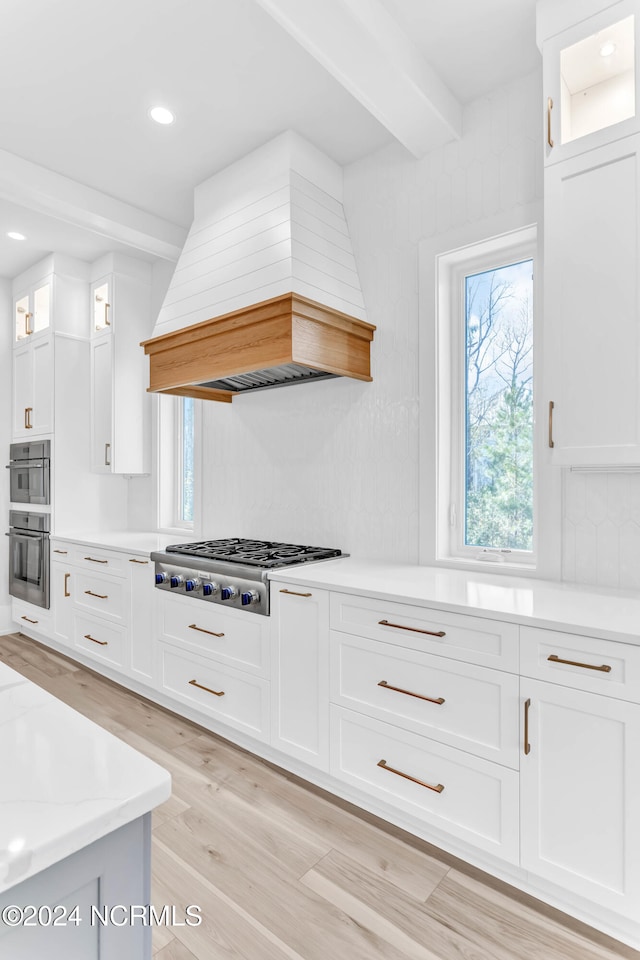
[
  {"x": 300, "y": 677},
  {"x": 32, "y": 310},
  {"x": 448, "y": 789},
  {"x": 142, "y": 619},
  {"x": 590, "y": 77},
  {"x": 120, "y": 316},
  {"x": 61, "y": 600},
  {"x": 592, "y": 306},
  {"x": 102, "y": 405},
  {"x": 49, "y": 299},
  {"x": 33, "y": 388},
  {"x": 580, "y": 783}
]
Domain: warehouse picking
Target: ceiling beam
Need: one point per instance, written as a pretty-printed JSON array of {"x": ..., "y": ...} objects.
[
  {"x": 365, "y": 49},
  {"x": 44, "y": 191}
]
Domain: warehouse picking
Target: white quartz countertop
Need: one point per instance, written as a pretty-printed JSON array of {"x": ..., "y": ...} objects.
[
  {"x": 612, "y": 614},
  {"x": 125, "y": 541},
  {"x": 64, "y": 781}
]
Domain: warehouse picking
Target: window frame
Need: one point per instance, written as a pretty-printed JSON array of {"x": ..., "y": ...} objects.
[{"x": 506, "y": 228}]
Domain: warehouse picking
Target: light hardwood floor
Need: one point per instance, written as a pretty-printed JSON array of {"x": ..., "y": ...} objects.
[{"x": 282, "y": 871}]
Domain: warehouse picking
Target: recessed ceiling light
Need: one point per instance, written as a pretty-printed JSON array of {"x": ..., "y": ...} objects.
[
  {"x": 161, "y": 115},
  {"x": 607, "y": 49},
  {"x": 16, "y": 236}
]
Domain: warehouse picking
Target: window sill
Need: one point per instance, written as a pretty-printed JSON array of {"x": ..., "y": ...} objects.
[{"x": 488, "y": 566}]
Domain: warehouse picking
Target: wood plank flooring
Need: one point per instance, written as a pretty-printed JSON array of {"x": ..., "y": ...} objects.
[{"x": 282, "y": 871}]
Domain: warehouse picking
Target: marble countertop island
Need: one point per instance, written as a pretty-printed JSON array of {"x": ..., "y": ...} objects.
[{"x": 64, "y": 781}]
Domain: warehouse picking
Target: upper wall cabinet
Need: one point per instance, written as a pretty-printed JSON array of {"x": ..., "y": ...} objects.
[
  {"x": 101, "y": 298},
  {"x": 32, "y": 310},
  {"x": 50, "y": 300},
  {"x": 120, "y": 316},
  {"x": 592, "y": 306},
  {"x": 591, "y": 94}
]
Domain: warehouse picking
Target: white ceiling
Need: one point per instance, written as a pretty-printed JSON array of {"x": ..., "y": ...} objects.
[
  {"x": 474, "y": 45},
  {"x": 82, "y": 74}
]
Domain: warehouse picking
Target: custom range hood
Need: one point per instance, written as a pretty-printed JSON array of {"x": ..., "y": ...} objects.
[{"x": 265, "y": 292}]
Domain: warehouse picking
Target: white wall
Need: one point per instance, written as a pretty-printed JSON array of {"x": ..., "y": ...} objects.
[
  {"x": 336, "y": 463},
  {"x": 5, "y": 440}
]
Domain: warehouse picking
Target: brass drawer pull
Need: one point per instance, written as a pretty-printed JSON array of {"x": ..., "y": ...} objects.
[
  {"x": 29, "y": 620},
  {"x": 216, "y": 693},
  {"x": 551, "y": 409},
  {"x": 603, "y": 668},
  {"x": 103, "y": 643},
  {"x": 61, "y": 551},
  {"x": 293, "y": 593},
  {"x": 100, "y": 596},
  {"x": 527, "y": 745},
  {"x": 93, "y": 560},
  {"x": 419, "y": 696},
  {"x": 549, "y": 109},
  {"x": 27, "y": 418},
  {"x": 400, "y": 626},
  {"x": 438, "y": 788},
  {"x": 66, "y": 584},
  {"x": 137, "y": 561},
  {"x": 192, "y": 626}
]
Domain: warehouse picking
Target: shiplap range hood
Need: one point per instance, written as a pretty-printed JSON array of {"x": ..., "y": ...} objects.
[{"x": 266, "y": 291}]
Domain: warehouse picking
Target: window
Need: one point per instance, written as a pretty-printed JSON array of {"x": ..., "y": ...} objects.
[
  {"x": 176, "y": 463},
  {"x": 486, "y": 451},
  {"x": 184, "y": 461},
  {"x": 497, "y": 484}
]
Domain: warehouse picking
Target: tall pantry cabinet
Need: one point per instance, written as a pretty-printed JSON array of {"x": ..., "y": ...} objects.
[
  {"x": 119, "y": 312},
  {"x": 591, "y": 218}
]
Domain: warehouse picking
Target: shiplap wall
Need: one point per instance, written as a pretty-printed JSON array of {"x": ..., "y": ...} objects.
[{"x": 271, "y": 224}]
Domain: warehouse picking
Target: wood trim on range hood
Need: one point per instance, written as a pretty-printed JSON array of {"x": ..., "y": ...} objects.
[{"x": 290, "y": 329}]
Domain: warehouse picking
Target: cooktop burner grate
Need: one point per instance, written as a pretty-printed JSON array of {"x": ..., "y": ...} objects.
[{"x": 256, "y": 553}]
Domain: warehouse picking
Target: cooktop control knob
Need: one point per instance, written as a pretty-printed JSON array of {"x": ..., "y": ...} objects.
[
  {"x": 229, "y": 593},
  {"x": 191, "y": 584},
  {"x": 176, "y": 581},
  {"x": 249, "y": 597},
  {"x": 209, "y": 588},
  {"x": 161, "y": 578}
]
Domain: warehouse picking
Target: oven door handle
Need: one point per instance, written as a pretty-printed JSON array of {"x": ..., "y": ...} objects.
[
  {"x": 24, "y": 464},
  {"x": 26, "y": 536}
]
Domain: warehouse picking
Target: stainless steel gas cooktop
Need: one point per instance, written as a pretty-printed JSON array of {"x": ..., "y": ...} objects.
[{"x": 233, "y": 572}]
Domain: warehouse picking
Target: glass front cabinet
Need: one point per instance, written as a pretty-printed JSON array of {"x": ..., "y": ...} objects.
[
  {"x": 32, "y": 311},
  {"x": 590, "y": 80}
]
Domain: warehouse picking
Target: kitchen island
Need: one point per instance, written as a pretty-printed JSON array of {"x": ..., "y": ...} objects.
[{"x": 75, "y": 835}]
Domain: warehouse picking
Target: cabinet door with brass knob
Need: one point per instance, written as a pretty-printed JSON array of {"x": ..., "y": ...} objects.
[
  {"x": 61, "y": 593},
  {"x": 33, "y": 388},
  {"x": 300, "y": 672},
  {"x": 579, "y": 788}
]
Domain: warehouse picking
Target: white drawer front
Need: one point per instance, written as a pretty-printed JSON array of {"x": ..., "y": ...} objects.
[
  {"x": 478, "y": 802},
  {"x": 62, "y": 551},
  {"x": 99, "y": 639},
  {"x": 460, "y": 704},
  {"x": 94, "y": 559},
  {"x": 489, "y": 643},
  {"x": 31, "y": 619},
  {"x": 599, "y": 666},
  {"x": 231, "y": 636},
  {"x": 105, "y": 596},
  {"x": 233, "y": 697}
]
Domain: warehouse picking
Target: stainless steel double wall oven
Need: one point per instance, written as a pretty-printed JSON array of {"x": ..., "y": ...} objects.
[{"x": 30, "y": 484}]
